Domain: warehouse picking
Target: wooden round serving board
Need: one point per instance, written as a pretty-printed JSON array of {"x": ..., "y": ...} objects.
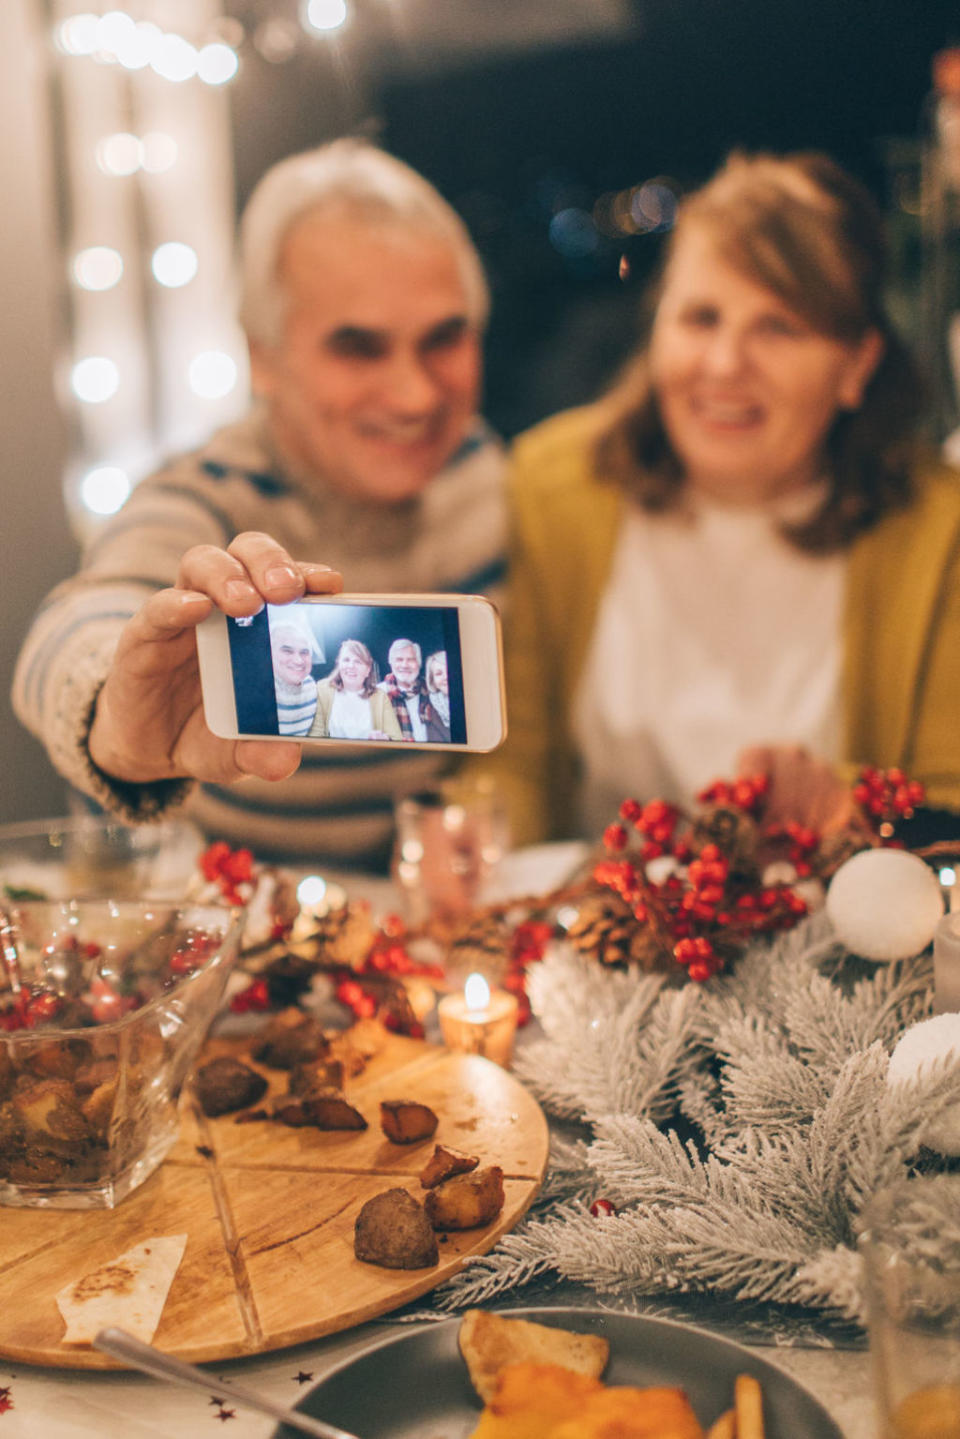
[{"x": 269, "y": 1213}]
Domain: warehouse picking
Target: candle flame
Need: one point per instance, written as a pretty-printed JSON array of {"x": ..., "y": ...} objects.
[{"x": 476, "y": 992}]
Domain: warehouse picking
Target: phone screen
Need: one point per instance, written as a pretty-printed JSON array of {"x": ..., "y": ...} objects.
[{"x": 350, "y": 672}]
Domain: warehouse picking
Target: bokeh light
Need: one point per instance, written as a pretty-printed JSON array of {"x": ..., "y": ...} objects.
[
  {"x": 94, "y": 379},
  {"x": 119, "y": 154},
  {"x": 77, "y": 35},
  {"x": 276, "y": 40},
  {"x": 573, "y": 234},
  {"x": 217, "y": 63},
  {"x": 97, "y": 268},
  {"x": 104, "y": 490},
  {"x": 324, "y": 14},
  {"x": 174, "y": 59},
  {"x": 158, "y": 152},
  {"x": 174, "y": 264},
  {"x": 212, "y": 374}
]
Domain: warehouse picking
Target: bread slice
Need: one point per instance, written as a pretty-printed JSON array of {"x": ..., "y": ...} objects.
[{"x": 489, "y": 1342}]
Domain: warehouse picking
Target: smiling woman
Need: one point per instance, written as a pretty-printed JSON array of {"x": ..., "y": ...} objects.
[{"x": 724, "y": 564}]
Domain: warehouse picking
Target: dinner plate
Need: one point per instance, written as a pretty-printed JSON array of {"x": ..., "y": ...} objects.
[{"x": 415, "y": 1385}]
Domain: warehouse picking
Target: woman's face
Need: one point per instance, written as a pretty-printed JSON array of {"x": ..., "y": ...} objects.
[
  {"x": 746, "y": 389},
  {"x": 438, "y": 673},
  {"x": 291, "y": 659},
  {"x": 353, "y": 670}
]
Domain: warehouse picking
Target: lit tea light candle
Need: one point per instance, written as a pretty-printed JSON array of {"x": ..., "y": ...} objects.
[{"x": 479, "y": 1021}]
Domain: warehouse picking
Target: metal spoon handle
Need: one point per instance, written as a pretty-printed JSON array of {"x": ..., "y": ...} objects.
[{"x": 152, "y": 1361}]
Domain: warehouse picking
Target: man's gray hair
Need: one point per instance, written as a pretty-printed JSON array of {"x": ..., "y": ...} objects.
[
  {"x": 354, "y": 176},
  {"x": 404, "y": 645}
]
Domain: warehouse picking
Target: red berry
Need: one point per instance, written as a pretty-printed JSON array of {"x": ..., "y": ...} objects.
[
  {"x": 631, "y": 810},
  {"x": 699, "y": 971},
  {"x": 602, "y": 1208},
  {"x": 615, "y": 836}
]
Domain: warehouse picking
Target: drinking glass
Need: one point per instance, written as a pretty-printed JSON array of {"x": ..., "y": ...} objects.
[
  {"x": 910, "y": 1242},
  {"x": 450, "y": 841}
]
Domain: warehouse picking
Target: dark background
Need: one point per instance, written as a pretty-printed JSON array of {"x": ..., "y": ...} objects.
[{"x": 512, "y": 135}]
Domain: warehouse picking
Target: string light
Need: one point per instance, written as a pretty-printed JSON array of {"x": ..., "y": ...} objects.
[
  {"x": 217, "y": 63},
  {"x": 97, "y": 268},
  {"x": 94, "y": 379},
  {"x": 119, "y": 154},
  {"x": 174, "y": 264},
  {"x": 158, "y": 152},
  {"x": 324, "y": 15},
  {"x": 174, "y": 58},
  {"x": 212, "y": 374},
  {"x": 104, "y": 490}
]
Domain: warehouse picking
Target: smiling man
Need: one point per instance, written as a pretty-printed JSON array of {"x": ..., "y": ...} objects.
[{"x": 364, "y": 302}]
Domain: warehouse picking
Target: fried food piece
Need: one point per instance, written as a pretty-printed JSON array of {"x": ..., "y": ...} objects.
[
  {"x": 467, "y": 1201},
  {"x": 725, "y": 1427},
  {"x": 392, "y": 1230},
  {"x": 316, "y": 1074},
  {"x": 356, "y": 1046},
  {"x": 444, "y": 1163},
  {"x": 748, "y": 1405},
  {"x": 289, "y": 1039},
  {"x": 224, "y": 1085},
  {"x": 50, "y": 1114},
  {"x": 323, "y": 1109},
  {"x": 405, "y": 1121},
  {"x": 543, "y": 1401},
  {"x": 489, "y": 1342}
]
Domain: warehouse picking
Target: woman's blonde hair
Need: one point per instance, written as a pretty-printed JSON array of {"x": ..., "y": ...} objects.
[
  {"x": 358, "y": 648},
  {"x": 807, "y": 231}
]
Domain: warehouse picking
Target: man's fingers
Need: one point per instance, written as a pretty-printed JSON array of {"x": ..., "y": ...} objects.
[
  {"x": 321, "y": 579},
  {"x": 165, "y": 616},
  {"x": 222, "y": 576},
  {"x": 266, "y": 759},
  {"x": 271, "y": 569}
]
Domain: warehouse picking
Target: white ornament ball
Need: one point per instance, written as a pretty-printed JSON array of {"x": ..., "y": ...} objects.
[
  {"x": 884, "y": 904},
  {"x": 916, "y": 1050}
]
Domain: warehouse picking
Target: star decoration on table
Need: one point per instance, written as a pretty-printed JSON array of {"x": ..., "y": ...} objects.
[
  {"x": 226, "y": 1414},
  {"x": 303, "y": 1378},
  {"x": 5, "y": 1401},
  {"x": 215, "y": 1400}
]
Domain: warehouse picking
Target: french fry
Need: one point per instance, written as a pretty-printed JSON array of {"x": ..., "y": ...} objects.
[
  {"x": 725, "y": 1427},
  {"x": 748, "y": 1404}
]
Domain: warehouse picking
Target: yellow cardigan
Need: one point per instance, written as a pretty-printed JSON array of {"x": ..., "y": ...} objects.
[
  {"x": 901, "y": 626},
  {"x": 383, "y": 716}
]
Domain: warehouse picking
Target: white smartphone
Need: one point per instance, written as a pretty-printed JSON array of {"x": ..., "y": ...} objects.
[{"x": 368, "y": 669}]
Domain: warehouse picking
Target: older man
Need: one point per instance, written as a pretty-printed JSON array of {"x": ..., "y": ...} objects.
[{"x": 364, "y": 303}]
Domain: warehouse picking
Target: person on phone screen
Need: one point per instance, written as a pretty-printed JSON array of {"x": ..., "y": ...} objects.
[
  {"x": 438, "y": 688},
  {"x": 407, "y": 691},
  {"x": 350, "y": 706},
  {"x": 294, "y": 649},
  {"x": 364, "y": 303}
]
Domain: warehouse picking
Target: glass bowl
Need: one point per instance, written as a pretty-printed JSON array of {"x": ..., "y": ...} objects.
[
  {"x": 103, "y": 1007},
  {"x": 87, "y": 857}
]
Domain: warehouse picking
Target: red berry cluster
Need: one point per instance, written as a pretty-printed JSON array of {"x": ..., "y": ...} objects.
[
  {"x": 228, "y": 869},
  {"x": 528, "y": 944},
  {"x": 701, "y": 910},
  {"x": 885, "y": 796},
  {"x": 748, "y": 793}
]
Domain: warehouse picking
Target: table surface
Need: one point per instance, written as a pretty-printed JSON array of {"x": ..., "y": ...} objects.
[{"x": 38, "y": 1403}]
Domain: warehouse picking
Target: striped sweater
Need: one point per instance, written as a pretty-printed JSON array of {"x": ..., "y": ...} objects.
[{"x": 338, "y": 807}]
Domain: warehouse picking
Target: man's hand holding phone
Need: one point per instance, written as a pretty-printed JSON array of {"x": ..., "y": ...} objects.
[{"x": 149, "y": 722}]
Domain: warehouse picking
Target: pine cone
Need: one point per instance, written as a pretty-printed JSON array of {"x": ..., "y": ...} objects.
[
  {"x": 480, "y": 948},
  {"x": 732, "y": 831},
  {"x": 605, "y": 929},
  {"x": 344, "y": 936}
]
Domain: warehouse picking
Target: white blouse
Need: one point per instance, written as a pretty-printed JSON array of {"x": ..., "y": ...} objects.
[
  {"x": 350, "y": 716},
  {"x": 713, "y": 634}
]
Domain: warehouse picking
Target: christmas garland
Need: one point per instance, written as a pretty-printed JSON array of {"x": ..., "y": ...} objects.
[{"x": 732, "y": 1131}]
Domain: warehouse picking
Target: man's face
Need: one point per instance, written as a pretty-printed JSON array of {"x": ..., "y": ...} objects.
[
  {"x": 376, "y": 375},
  {"x": 406, "y": 666},
  {"x": 291, "y": 659}
]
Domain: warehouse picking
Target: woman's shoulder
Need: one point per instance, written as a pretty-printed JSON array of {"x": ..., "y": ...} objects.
[
  {"x": 923, "y": 529},
  {"x": 558, "y": 452}
]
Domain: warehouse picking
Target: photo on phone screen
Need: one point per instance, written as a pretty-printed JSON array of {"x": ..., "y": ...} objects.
[{"x": 349, "y": 672}]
